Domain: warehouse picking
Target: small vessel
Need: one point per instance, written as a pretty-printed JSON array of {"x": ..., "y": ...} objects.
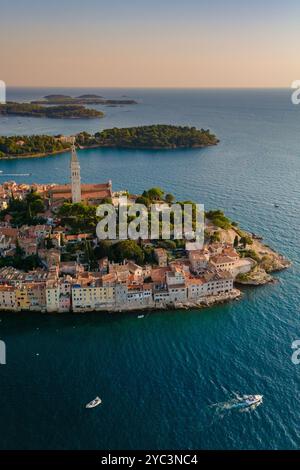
[
  {"x": 94, "y": 403},
  {"x": 250, "y": 400},
  {"x": 141, "y": 316},
  {"x": 276, "y": 205},
  {"x": 240, "y": 403}
]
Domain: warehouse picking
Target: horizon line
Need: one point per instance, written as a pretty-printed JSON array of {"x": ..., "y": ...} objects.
[{"x": 156, "y": 87}]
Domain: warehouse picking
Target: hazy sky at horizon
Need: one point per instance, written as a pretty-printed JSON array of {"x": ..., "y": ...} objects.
[{"x": 195, "y": 43}]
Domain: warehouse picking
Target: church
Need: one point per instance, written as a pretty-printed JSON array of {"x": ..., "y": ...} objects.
[{"x": 77, "y": 192}]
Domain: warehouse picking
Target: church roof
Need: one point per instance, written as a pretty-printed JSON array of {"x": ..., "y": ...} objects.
[{"x": 88, "y": 191}]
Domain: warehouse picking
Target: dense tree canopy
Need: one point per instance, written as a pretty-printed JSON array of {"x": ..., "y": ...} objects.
[
  {"x": 30, "y": 145},
  {"x": 156, "y": 136},
  {"x": 57, "y": 112},
  {"x": 25, "y": 211},
  {"x": 218, "y": 218},
  {"x": 79, "y": 217}
]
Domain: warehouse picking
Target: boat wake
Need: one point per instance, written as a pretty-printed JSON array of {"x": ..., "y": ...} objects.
[
  {"x": 15, "y": 174},
  {"x": 240, "y": 403}
]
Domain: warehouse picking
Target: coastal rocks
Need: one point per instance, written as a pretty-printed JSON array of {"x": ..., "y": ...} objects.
[
  {"x": 268, "y": 261},
  {"x": 274, "y": 262},
  {"x": 256, "y": 277},
  {"x": 209, "y": 301}
]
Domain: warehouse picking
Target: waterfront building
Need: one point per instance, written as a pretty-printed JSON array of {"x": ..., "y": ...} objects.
[
  {"x": 36, "y": 295},
  {"x": 121, "y": 291},
  {"x": 7, "y": 298},
  {"x": 139, "y": 296},
  {"x": 52, "y": 297},
  {"x": 22, "y": 299},
  {"x": 217, "y": 282},
  {"x": 177, "y": 292},
  {"x": 92, "y": 298},
  {"x": 223, "y": 262}
]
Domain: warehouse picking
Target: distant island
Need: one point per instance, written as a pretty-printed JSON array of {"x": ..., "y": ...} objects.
[
  {"x": 81, "y": 100},
  {"x": 144, "y": 137},
  {"x": 72, "y": 111}
]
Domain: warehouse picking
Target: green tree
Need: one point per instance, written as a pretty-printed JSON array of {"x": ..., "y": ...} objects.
[
  {"x": 169, "y": 198},
  {"x": 154, "y": 194},
  {"x": 127, "y": 249},
  {"x": 103, "y": 249},
  {"x": 215, "y": 237}
]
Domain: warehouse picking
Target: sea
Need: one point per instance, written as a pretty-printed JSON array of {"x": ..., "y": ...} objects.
[{"x": 160, "y": 376}]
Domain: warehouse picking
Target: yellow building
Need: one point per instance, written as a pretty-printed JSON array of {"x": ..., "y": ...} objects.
[
  {"x": 92, "y": 298},
  {"x": 23, "y": 301}
]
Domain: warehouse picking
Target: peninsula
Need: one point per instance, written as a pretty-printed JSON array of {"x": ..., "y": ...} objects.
[
  {"x": 144, "y": 137},
  {"x": 70, "y": 111},
  {"x": 52, "y": 261},
  {"x": 157, "y": 136}
]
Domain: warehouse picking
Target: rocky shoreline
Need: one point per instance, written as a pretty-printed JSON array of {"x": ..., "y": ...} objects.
[
  {"x": 204, "y": 302},
  {"x": 270, "y": 262},
  {"x": 94, "y": 146}
]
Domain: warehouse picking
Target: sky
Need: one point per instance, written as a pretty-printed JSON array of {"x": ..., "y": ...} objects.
[{"x": 149, "y": 43}]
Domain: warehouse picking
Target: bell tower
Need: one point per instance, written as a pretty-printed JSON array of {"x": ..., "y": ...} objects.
[{"x": 75, "y": 176}]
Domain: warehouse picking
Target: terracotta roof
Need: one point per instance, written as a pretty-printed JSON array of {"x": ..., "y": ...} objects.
[
  {"x": 88, "y": 191},
  {"x": 109, "y": 277},
  {"x": 159, "y": 274},
  {"x": 9, "y": 232},
  {"x": 229, "y": 251}
]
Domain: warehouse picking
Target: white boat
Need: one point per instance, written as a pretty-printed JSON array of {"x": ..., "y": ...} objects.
[
  {"x": 94, "y": 403},
  {"x": 141, "y": 316},
  {"x": 250, "y": 400}
]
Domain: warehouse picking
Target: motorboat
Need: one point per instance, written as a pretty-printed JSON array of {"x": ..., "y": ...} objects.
[
  {"x": 94, "y": 403},
  {"x": 250, "y": 400}
]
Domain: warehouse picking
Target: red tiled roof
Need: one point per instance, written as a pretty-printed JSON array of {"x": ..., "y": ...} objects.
[{"x": 88, "y": 191}]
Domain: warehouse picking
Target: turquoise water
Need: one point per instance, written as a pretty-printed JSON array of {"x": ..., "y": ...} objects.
[{"x": 158, "y": 376}]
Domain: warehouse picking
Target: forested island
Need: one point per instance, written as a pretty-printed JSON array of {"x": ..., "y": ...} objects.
[
  {"x": 71, "y": 111},
  {"x": 157, "y": 136},
  {"x": 82, "y": 100},
  {"x": 61, "y": 107},
  {"x": 144, "y": 137}
]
